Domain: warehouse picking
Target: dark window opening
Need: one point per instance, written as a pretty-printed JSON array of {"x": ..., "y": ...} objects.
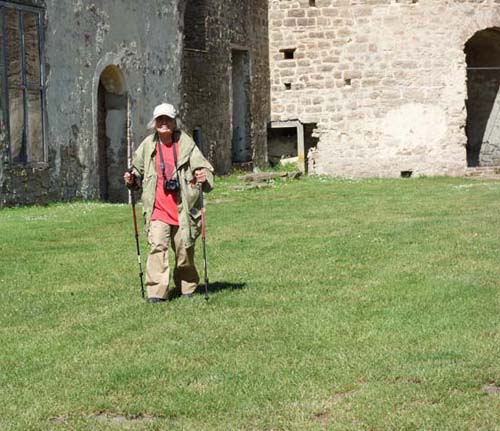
[
  {"x": 289, "y": 142},
  {"x": 195, "y": 25},
  {"x": 282, "y": 144},
  {"x": 288, "y": 86},
  {"x": 406, "y": 174},
  {"x": 312, "y": 3},
  {"x": 288, "y": 54},
  {"x": 22, "y": 82}
]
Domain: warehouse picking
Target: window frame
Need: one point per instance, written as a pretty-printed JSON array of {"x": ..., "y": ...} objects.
[{"x": 25, "y": 87}]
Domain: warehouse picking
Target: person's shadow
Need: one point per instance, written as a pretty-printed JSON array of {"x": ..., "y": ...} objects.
[
  {"x": 212, "y": 288},
  {"x": 220, "y": 285}
]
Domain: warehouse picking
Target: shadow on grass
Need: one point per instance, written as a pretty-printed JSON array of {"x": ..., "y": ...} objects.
[
  {"x": 220, "y": 285},
  {"x": 212, "y": 288}
]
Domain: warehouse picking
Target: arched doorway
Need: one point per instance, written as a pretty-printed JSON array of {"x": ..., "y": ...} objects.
[
  {"x": 482, "y": 53},
  {"x": 112, "y": 135}
]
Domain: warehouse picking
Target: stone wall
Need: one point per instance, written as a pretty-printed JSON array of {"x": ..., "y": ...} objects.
[
  {"x": 83, "y": 38},
  {"x": 385, "y": 80},
  {"x": 232, "y": 29}
]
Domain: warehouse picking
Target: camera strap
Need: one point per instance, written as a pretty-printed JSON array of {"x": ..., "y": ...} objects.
[
  {"x": 175, "y": 153},
  {"x": 162, "y": 163}
]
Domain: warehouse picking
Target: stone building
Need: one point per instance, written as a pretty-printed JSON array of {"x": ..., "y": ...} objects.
[
  {"x": 226, "y": 79},
  {"x": 79, "y": 80},
  {"x": 381, "y": 87},
  {"x": 364, "y": 88}
]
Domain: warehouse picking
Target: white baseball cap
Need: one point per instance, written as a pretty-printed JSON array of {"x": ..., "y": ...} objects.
[{"x": 162, "y": 109}]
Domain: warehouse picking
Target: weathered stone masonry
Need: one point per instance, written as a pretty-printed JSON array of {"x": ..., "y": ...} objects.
[
  {"x": 378, "y": 86},
  {"x": 226, "y": 79},
  {"x": 134, "y": 52},
  {"x": 107, "y": 64},
  {"x": 386, "y": 82}
]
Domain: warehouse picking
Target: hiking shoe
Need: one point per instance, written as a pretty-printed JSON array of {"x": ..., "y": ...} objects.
[{"x": 155, "y": 300}]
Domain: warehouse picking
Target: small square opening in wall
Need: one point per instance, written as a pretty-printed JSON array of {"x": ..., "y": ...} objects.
[
  {"x": 288, "y": 85},
  {"x": 288, "y": 54},
  {"x": 347, "y": 82},
  {"x": 312, "y": 3}
]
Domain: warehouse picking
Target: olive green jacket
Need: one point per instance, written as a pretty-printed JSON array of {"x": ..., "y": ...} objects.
[{"x": 189, "y": 159}]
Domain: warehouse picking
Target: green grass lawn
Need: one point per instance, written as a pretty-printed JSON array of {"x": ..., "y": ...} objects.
[{"x": 335, "y": 304}]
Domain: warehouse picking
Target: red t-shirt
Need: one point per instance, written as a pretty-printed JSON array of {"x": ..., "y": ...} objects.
[{"x": 165, "y": 208}]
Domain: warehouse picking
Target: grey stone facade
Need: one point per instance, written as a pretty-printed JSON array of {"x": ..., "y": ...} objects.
[
  {"x": 133, "y": 50},
  {"x": 226, "y": 79},
  {"x": 388, "y": 83},
  {"x": 107, "y": 63}
]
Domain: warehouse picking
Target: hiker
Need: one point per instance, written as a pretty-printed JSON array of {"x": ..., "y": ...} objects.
[{"x": 170, "y": 169}]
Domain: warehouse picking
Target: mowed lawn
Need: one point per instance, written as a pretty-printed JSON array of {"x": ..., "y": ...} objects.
[{"x": 334, "y": 304}]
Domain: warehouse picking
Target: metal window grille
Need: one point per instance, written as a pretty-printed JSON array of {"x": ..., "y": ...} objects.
[{"x": 22, "y": 78}]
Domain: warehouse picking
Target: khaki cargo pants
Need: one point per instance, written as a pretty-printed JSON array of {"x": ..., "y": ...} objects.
[{"x": 186, "y": 278}]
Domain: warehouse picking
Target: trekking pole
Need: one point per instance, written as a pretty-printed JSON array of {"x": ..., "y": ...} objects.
[
  {"x": 203, "y": 243},
  {"x": 132, "y": 200},
  {"x": 198, "y": 138}
]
